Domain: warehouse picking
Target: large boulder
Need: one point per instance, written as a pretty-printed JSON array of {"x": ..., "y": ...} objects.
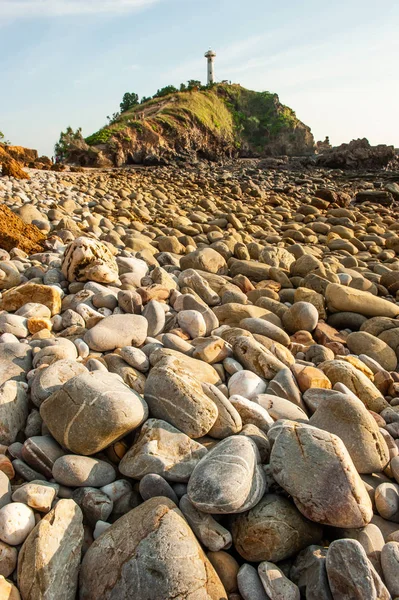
[
  {"x": 91, "y": 411},
  {"x": 347, "y": 417},
  {"x": 48, "y": 563},
  {"x": 315, "y": 468},
  {"x": 150, "y": 552}
]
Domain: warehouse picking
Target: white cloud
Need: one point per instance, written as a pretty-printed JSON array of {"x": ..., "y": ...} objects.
[{"x": 40, "y": 8}]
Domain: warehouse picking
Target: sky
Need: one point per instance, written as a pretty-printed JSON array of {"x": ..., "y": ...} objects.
[{"x": 69, "y": 62}]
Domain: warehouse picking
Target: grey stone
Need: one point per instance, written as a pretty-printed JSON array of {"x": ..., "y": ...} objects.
[
  {"x": 175, "y": 395},
  {"x": 310, "y": 574},
  {"x": 49, "y": 380},
  {"x": 155, "y": 315},
  {"x": 228, "y": 479},
  {"x": 210, "y": 533},
  {"x": 350, "y": 573},
  {"x": 15, "y": 361},
  {"x": 41, "y": 452},
  {"x": 91, "y": 411},
  {"x": 249, "y": 583},
  {"x": 144, "y": 555},
  {"x": 95, "y": 505},
  {"x": 153, "y": 485},
  {"x": 82, "y": 471},
  {"x": 273, "y": 530},
  {"x": 276, "y": 584},
  {"x": 117, "y": 331},
  {"x": 14, "y": 408},
  {"x": 164, "y": 450},
  {"x": 390, "y": 567},
  {"x": 300, "y": 459},
  {"x": 48, "y": 564},
  {"x": 228, "y": 421}
]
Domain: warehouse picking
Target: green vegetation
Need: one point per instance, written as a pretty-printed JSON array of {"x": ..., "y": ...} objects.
[
  {"x": 129, "y": 100},
  {"x": 3, "y": 140},
  {"x": 165, "y": 91},
  {"x": 100, "y": 137},
  {"x": 258, "y": 116},
  {"x": 204, "y": 109},
  {"x": 68, "y": 138}
]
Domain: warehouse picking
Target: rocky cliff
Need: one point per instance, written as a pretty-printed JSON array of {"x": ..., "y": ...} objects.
[{"x": 224, "y": 121}]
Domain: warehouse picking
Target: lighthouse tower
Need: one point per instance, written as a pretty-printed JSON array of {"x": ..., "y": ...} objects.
[{"x": 210, "y": 55}]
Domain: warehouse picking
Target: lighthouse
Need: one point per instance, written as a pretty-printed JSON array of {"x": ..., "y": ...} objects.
[{"x": 210, "y": 56}]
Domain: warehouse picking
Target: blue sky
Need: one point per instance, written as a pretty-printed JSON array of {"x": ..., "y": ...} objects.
[{"x": 68, "y": 62}]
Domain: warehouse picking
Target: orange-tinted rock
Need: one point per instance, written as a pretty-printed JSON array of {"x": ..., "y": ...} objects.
[
  {"x": 310, "y": 377},
  {"x": 16, "y": 297},
  {"x": 324, "y": 334},
  {"x": 14, "y": 233}
]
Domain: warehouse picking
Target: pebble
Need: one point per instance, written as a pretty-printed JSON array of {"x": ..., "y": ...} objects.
[
  {"x": 8, "y": 559},
  {"x": 276, "y": 584},
  {"x": 117, "y": 331},
  {"x": 16, "y": 522},
  {"x": 78, "y": 471},
  {"x": 163, "y": 450},
  {"x": 233, "y": 464}
]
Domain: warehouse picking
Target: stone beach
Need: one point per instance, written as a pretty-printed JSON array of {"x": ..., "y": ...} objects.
[{"x": 199, "y": 384}]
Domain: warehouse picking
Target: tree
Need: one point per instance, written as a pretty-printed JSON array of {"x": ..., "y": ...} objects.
[
  {"x": 129, "y": 100},
  {"x": 68, "y": 138},
  {"x": 113, "y": 118},
  {"x": 165, "y": 91},
  {"x": 183, "y": 87},
  {"x": 145, "y": 99},
  {"x": 193, "y": 84},
  {"x": 2, "y": 140}
]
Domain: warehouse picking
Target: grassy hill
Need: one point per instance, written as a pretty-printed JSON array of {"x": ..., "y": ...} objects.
[{"x": 225, "y": 120}]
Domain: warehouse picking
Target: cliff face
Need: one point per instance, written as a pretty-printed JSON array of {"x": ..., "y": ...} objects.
[{"x": 225, "y": 121}]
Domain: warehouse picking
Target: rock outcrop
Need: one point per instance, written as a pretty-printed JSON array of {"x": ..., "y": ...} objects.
[{"x": 358, "y": 154}]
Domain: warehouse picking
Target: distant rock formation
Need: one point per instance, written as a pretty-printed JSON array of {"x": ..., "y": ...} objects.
[{"x": 358, "y": 154}]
